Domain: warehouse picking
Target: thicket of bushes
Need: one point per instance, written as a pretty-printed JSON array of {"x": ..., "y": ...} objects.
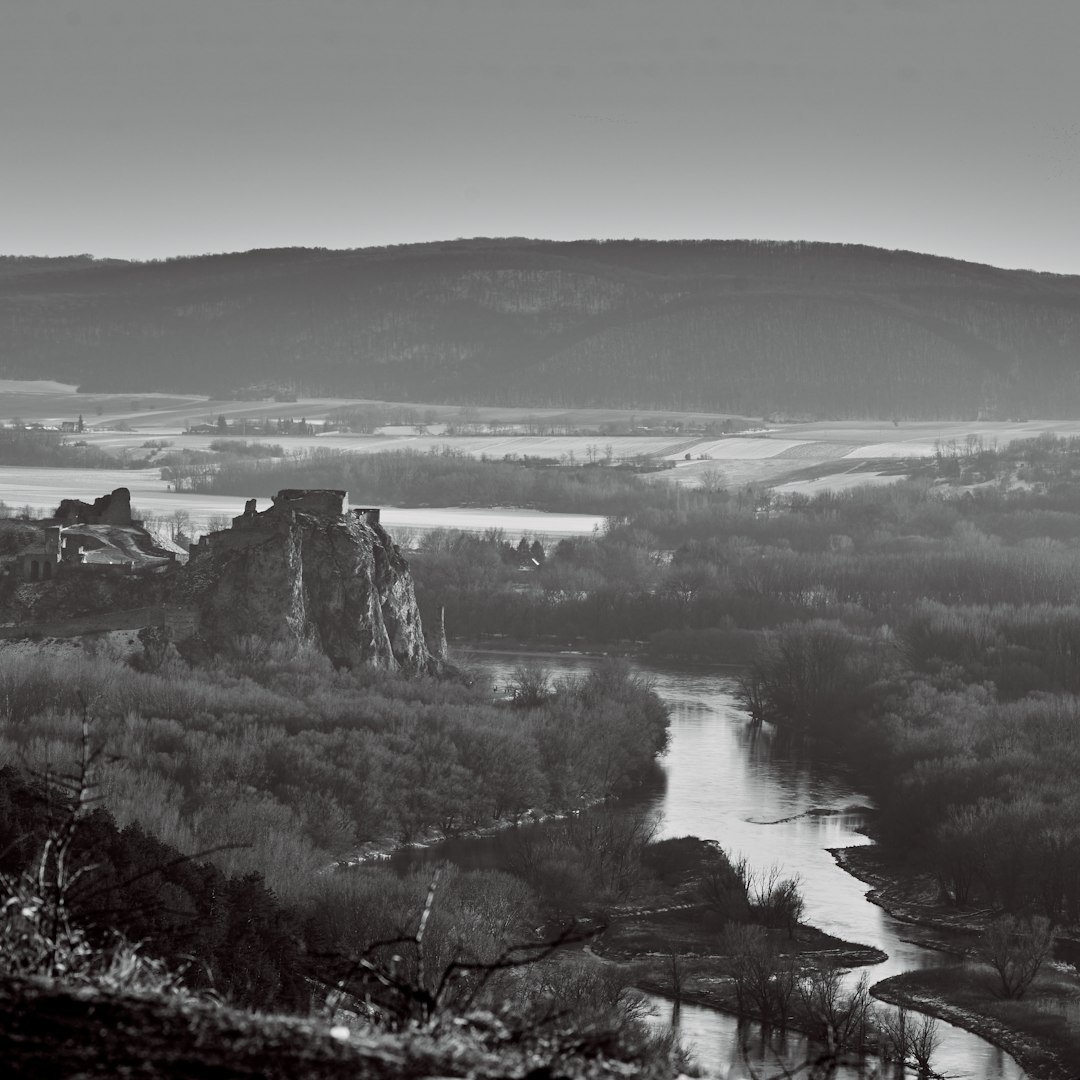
[
  {"x": 304, "y": 763},
  {"x": 220, "y": 932},
  {"x": 89, "y": 905},
  {"x": 278, "y": 752},
  {"x": 38, "y": 448}
]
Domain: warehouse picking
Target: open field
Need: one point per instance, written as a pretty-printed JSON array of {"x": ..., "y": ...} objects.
[
  {"x": 52, "y": 402},
  {"x": 739, "y": 447},
  {"x": 774, "y": 455},
  {"x": 42, "y": 489},
  {"x": 844, "y": 446},
  {"x": 558, "y": 447},
  {"x": 839, "y": 481}
]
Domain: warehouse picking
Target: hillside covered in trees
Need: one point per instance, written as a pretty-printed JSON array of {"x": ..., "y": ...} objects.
[{"x": 788, "y": 329}]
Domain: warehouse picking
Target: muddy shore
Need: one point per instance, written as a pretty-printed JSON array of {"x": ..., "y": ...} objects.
[{"x": 1035, "y": 1030}]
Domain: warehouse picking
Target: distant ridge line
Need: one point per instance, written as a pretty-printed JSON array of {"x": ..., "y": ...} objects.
[{"x": 728, "y": 326}]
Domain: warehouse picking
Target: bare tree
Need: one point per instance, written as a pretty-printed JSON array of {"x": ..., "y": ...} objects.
[
  {"x": 909, "y": 1041},
  {"x": 764, "y": 980},
  {"x": 712, "y": 479},
  {"x": 530, "y": 685},
  {"x": 1016, "y": 949},
  {"x": 412, "y": 993}
]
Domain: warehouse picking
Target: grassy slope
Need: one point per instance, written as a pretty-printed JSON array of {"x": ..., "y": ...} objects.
[{"x": 732, "y": 326}]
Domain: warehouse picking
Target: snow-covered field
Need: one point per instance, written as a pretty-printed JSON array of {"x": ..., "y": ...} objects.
[
  {"x": 737, "y": 448},
  {"x": 42, "y": 489},
  {"x": 766, "y": 456},
  {"x": 833, "y": 482},
  {"x": 836, "y": 445},
  {"x": 36, "y": 386},
  {"x": 560, "y": 447}
]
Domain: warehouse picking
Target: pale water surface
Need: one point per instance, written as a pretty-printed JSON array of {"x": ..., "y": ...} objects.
[{"x": 726, "y": 784}]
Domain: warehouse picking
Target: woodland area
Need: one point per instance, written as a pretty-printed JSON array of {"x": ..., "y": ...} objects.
[
  {"x": 213, "y": 804},
  {"x": 753, "y": 328}
]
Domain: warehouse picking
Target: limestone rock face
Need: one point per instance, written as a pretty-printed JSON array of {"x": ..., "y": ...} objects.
[{"x": 335, "y": 580}]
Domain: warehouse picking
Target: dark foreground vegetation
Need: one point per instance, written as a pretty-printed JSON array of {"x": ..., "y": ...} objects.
[
  {"x": 51, "y": 1029},
  {"x": 180, "y": 831}
]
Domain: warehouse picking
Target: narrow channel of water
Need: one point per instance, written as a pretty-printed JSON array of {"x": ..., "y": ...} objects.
[{"x": 727, "y": 784}]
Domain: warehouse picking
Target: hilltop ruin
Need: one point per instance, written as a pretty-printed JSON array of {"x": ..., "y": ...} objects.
[
  {"x": 308, "y": 570},
  {"x": 84, "y": 538}
]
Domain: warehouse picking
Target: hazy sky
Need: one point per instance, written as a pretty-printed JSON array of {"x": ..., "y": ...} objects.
[{"x": 148, "y": 128}]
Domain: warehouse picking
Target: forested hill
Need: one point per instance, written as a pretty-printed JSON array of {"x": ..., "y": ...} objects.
[{"x": 784, "y": 329}]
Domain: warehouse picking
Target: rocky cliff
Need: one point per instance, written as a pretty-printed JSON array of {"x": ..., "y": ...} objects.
[{"x": 309, "y": 570}]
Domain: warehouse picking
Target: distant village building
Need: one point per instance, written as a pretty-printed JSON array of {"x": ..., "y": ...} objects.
[{"x": 40, "y": 558}]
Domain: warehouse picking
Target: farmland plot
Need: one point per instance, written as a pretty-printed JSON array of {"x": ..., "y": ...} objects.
[
  {"x": 739, "y": 448},
  {"x": 582, "y": 448}
]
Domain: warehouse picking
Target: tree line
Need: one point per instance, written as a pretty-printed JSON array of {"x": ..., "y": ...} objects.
[{"x": 443, "y": 478}]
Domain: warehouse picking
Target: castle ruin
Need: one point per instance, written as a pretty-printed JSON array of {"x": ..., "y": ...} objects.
[
  {"x": 98, "y": 537},
  {"x": 252, "y": 526}
]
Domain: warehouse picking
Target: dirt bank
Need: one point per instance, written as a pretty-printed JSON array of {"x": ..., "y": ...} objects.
[
  {"x": 1035, "y": 1030},
  {"x": 1042, "y": 1030}
]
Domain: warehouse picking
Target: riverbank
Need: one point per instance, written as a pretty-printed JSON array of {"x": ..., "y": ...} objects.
[
  {"x": 737, "y": 647},
  {"x": 912, "y": 897},
  {"x": 691, "y": 935},
  {"x": 377, "y": 851},
  {"x": 677, "y": 954},
  {"x": 1042, "y": 1030}
]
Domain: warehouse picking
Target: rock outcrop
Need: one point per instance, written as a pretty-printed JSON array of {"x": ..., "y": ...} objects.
[{"x": 309, "y": 570}]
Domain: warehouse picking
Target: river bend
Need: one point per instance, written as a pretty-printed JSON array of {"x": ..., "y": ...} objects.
[{"x": 727, "y": 783}]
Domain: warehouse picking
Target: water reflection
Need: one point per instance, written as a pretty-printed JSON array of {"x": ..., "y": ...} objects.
[
  {"x": 744, "y": 788},
  {"x": 736, "y": 1050}
]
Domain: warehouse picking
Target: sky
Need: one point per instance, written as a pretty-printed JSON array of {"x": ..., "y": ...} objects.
[{"x": 151, "y": 128}]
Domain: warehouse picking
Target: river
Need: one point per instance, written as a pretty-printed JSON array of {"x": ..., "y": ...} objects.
[{"x": 725, "y": 782}]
